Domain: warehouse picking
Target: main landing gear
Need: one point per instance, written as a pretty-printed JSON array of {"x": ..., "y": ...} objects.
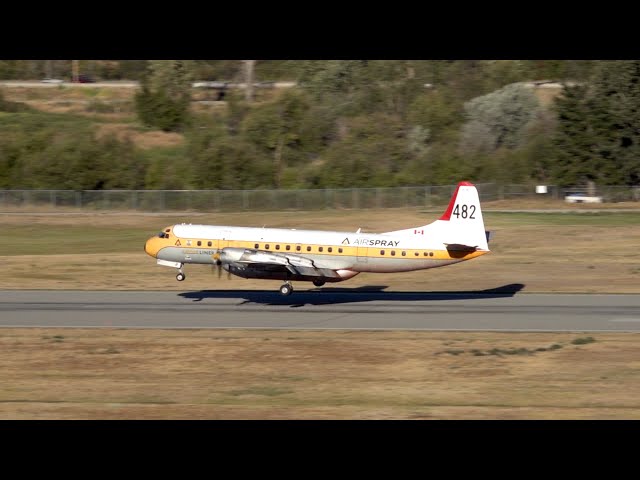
[{"x": 286, "y": 289}]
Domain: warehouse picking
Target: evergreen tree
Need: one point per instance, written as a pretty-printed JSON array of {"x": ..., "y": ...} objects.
[{"x": 598, "y": 136}]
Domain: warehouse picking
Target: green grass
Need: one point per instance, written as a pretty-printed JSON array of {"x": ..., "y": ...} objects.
[
  {"x": 570, "y": 218},
  {"x": 516, "y": 351},
  {"x": 52, "y": 240},
  {"x": 37, "y": 120}
]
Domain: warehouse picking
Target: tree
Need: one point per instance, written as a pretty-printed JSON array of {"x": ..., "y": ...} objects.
[
  {"x": 598, "y": 136},
  {"x": 275, "y": 129},
  {"x": 499, "y": 119},
  {"x": 164, "y": 98}
]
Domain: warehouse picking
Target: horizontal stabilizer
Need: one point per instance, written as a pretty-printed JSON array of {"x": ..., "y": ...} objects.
[{"x": 459, "y": 247}]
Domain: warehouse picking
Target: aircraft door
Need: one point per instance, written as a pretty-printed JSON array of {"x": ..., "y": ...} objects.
[{"x": 362, "y": 254}]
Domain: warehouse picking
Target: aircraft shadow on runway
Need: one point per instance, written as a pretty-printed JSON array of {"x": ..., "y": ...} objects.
[{"x": 331, "y": 295}]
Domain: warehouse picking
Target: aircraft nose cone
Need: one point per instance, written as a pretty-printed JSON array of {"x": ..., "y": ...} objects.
[{"x": 151, "y": 246}]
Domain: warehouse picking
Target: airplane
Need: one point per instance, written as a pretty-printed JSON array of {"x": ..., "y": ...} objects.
[{"x": 326, "y": 256}]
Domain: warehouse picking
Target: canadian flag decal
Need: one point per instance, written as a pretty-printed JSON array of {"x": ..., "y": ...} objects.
[{"x": 418, "y": 232}]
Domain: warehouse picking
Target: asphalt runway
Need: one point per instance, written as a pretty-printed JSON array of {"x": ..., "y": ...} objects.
[{"x": 365, "y": 308}]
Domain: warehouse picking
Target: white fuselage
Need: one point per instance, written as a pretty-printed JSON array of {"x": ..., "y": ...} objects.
[{"x": 354, "y": 252}]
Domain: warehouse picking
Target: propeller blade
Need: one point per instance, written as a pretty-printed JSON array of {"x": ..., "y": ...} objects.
[{"x": 218, "y": 263}]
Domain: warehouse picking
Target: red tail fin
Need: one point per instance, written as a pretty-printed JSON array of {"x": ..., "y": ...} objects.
[{"x": 447, "y": 214}]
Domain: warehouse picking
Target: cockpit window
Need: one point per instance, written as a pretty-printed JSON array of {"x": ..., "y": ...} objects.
[{"x": 163, "y": 235}]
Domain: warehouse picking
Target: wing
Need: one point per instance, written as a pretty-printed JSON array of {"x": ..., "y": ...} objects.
[{"x": 260, "y": 260}]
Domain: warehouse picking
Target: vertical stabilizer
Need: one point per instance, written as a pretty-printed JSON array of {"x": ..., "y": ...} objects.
[
  {"x": 461, "y": 225},
  {"x": 462, "y": 221}
]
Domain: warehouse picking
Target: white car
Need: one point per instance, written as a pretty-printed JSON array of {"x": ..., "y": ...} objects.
[
  {"x": 51, "y": 80},
  {"x": 218, "y": 85}
]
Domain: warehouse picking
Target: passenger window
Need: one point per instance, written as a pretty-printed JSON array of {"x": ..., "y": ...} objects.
[
  {"x": 209, "y": 243},
  {"x": 319, "y": 249},
  {"x": 199, "y": 243},
  {"x": 329, "y": 249},
  {"x": 277, "y": 247},
  {"x": 308, "y": 249},
  {"x": 417, "y": 254},
  {"x": 425, "y": 254},
  {"x": 393, "y": 252},
  {"x": 404, "y": 254},
  {"x": 381, "y": 252},
  {"x": 339, "y": 250},
  {"x": 298, "y": 248},
  {"x": 257, "y": 245},
  {"x": 266, "y": 246},
  {"x": 288, "y": 247},
  {"x": 431, "y": 254}
]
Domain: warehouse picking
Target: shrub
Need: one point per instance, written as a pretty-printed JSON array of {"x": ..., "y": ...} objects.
[{"x": 583, "y": 340}]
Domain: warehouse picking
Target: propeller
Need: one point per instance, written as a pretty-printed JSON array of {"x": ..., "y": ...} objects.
[{"x": 218, "y": 263}]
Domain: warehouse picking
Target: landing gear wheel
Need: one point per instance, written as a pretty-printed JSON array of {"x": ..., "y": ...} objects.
[
  {"x": 286, "y": 289},
  {"x": 318, "y": 283},
  {"x": 180, "y": 277}
]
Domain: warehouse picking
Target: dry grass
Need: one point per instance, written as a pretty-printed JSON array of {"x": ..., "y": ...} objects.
[
  {"x": 142, "y": 140},
  {"x": 229, "y": 374},
  {"x": 35, "y": 94},
  {"x": 546, "y": 96}
]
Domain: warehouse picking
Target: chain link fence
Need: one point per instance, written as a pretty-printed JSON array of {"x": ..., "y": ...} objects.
[{"x": 273, "y": 200}]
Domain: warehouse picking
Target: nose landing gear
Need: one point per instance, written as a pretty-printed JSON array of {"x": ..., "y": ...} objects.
[{"x": 180, "y": 276}]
